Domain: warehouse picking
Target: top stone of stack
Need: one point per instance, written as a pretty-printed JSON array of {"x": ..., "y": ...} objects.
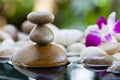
[{"x": 40, "y": 17}]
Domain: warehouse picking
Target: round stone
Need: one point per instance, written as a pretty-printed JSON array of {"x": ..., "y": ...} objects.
[
  {"x": 12, "y": 30},
  {"x": 42, "y": 35},
  {"x": 74, "y": 59},
  {"x": 40, "y": 56},
  {"x": 110, "y": 48},
  {"x": 76, "y": 47},
  {"x": 27, "y": 27},
  {"x": 73, "y": 54},
  {"x": 65, "y": 36},
  {"x": 40, "y": 17},
  {"x": 91, "y": 51}
]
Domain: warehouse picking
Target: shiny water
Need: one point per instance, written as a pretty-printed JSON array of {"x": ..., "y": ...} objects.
[{"x": 72, "y": 71}]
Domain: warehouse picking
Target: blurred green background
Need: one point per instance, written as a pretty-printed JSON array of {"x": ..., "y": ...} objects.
[{"x": 77, "y": 14}]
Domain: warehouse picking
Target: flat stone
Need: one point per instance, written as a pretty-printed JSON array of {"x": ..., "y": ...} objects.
[{"x": 40, "y": 17}]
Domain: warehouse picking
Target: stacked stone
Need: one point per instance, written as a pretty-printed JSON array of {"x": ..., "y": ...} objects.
[
  {"x": 41, "y": 54},
  {"x": 41, "y": 33}
]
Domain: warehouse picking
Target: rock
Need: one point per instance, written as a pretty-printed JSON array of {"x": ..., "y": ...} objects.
[
  {"x": 90, "y": 51},
  {"x": 117, "y": 56},
  {"x": 4, "y": 35},
  {"x": 27, "y": 27},
  {"x": 41, "y": 35},
  {"x": 76, "y": 47},
  {"x": 67, "y": 37},
  {"x": 74, "y": 59},
  {"x": 110, "y": 48},
  {"x": 53, "y": 27},
  {"x": 115, "y": 67},
  {"x": 7, "y": 51},
  {"x": 73, "y": 53},
  {"x": 22, "y": 35},
  {"x": 40, "y": 17},
  {"x": 39, "y": 56},
  {"x": 12, "y": 30},
  {"x": 7, "y": 43},
  {"x": 101, "y": 59}
]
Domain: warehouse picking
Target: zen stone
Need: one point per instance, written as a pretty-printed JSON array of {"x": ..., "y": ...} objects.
[
  {"x": 42, "y": 35},
  {"x": 27, "y": 26},
  {"x": 40, "y": 18},
  {"x": 12, "y": 31},
  {"x": 66, "y": 37},
  {"x": 76, "y": 47}
]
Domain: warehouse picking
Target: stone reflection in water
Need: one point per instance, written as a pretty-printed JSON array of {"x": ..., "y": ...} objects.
[
  {"x": 78, "y": 72},
  {"x": 55, "y": 73},
  {"x": 81, "y": 74}
]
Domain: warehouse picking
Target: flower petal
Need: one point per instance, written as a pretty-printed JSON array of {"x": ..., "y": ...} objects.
[
  {"x": 101, "y": 20},
  {"x": 117, "y": 27},
  {"x": 92, "y": 28},
  {"x": 93, "y": 39},
  {"x": 108, "y": 37},
  {"x": 111, "y": 18}
]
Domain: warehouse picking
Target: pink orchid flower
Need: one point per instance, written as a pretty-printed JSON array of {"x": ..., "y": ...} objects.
[{"x": 103, "y": 30}]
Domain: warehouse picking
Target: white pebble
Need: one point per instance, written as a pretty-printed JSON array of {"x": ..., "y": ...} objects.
[
  {"x": 82, "y": 40},
  {"x": 4, "y": 35},
  {"x": 4, "y": 51},
  {"x": 53, "y": 27},
  {"x": 66, "y": 37},
  {"x": 73, "y": 53},
  {"x": 22, "y": 43},
  {"x": 22, "y": 35},
  {"x": 91, "y": 51},
  {"x": 76, "y": 47},
  {"x": 74, "y": 59},
  {"x": 116, "y": 56},
  {"x": 7, "y": 43}
]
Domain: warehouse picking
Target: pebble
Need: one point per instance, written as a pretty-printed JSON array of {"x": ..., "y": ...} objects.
[
  {"x": 92, "y": 51},
  {"x": 110, "y": 48},
  {"x": 82, "y": 40},
  {"x": 66, "y": 37},
  {"x": 22, "y": 35},
  {"x": 27, "y": 26},
  {"x": 53, "y": 27},
  {"x": 73, "y": 53},
  {"x": 41, "y": 35},
  {"x": 7, "y": 43},
  {"x": 12, "y": 30},
  {"x": 40, "y": 17},
  {"x": 114, "y": 68},
  {"x": 117, "y": 56},
  {"x": 76, "y": 47},
  {"x": 74, "y": 59},
  {"x": 4, "y": 51},
  {"x": 4, "y": 35}
]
